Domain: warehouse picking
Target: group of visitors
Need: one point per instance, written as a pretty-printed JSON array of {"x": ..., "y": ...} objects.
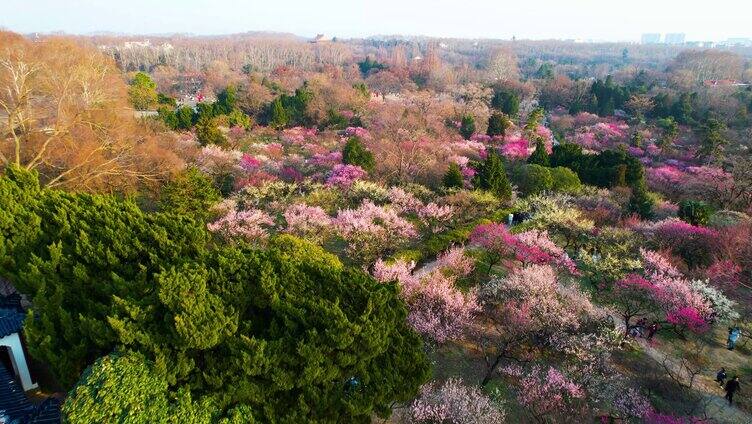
[
  {"x": 730, "y": 387},
  {"x": 642, "y": 329}
]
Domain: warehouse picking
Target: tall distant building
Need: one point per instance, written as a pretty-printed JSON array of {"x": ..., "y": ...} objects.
[
  {"x": 651, "y": 38},
  {"x": 676, "y": 38},
  {"x": 740, "y": 42}
]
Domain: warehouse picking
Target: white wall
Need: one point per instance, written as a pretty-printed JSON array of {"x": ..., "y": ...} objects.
[{"x": 18, "y": 360}]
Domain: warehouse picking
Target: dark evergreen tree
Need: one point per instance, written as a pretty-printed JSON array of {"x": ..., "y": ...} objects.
[
  {"x": 497, "y": 125},
  {"x": 533, "y": 120},
  {"x": 355, "y": 153},
  {"x": 453, "y": 177},
  {"x": 185, "y": 116},
  {"x": 493, "y": 177},
  {"x": 207, "y": 132},
  {"x": 467, "y": 126},
  {"x": 191, "y": 193},
  {"x": 640, "y": 202},
  {"x": 695, "y": 212},
  {"x": 506, "y": 101},
  {"x": 226, "y": 100},
  {"x": 533, "y": 179},
  {"x": 279, "y": 118},
  {"x": 540, "y": 155},
  {"x": 712, "y": 139},
  {"x": 568, "y": 155}
]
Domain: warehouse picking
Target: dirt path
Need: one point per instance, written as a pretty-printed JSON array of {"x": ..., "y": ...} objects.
[{"x": 716, "y": 407}]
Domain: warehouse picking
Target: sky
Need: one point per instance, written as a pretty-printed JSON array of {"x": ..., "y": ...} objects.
[{"x": 602, "y": 20}]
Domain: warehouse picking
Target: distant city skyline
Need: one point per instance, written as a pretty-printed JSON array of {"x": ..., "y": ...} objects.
[{"x": 544, "y": 19}]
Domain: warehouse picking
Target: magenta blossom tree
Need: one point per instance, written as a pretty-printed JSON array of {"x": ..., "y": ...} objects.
[{"x": 343, "y": 176}]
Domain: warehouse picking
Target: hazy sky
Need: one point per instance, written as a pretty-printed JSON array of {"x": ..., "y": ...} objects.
[{"x": 536, "y": 19}]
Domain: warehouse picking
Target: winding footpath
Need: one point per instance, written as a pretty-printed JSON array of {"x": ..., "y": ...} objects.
[{"x": 716, "y": 407}]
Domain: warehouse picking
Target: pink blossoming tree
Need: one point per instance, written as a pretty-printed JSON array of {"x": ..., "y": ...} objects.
[
  {"x": 454, "y": 402},
  {"x": 308, "y": 222},
  {"x": 250, "y": 225},
  {"x": 371, "y": 230},
  {"x": 437, "y": 309}
]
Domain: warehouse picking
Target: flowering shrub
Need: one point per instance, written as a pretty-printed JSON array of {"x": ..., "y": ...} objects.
[
  {"x": 215, "y": 160},
  {"x": 531, "y": 247},
  {"x": 298, "y": 135},
  {"x": 437, "y": 309},
  {"x": 453, "y": 402},
  {"x": 724, "y": 273},
  {"x": 403, "y": 201},
  {"x": 530, "y": 299},
  {"x": 632, "y": 404},
  {"x": 723, "y": 307},
  {"x": 361, "y": 190},
  {"x": 371, "y": 230},
  {"x": 249, "y": 163},
  {"x": 344, "y": 175},
  {"x": 435, "y": 217},
  {"x": 694, "y": 244},
  {"x": 357, "y": 132},
  {"x": 545, "y": 392},
  {"x": 325, "y": 160},
  {"x": 309, "y": 222},
  {"x": 455, "y": 262},
  {"x": 540, "y": 249},
  {"x": 688, "y": 317},
  {"x": 663, "y": 290},
  {"x": 515, "y": 147},
  {"x": 247, "y": 224}
]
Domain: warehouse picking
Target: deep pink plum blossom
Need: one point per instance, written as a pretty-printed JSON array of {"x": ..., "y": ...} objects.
[
  {"x": 344, "y": 176},
  {"x": 249, "y": 163},
  {"x": 543, "y": 250},
  {"x": 688, "y": 317},
  {"x": 515, "y": 147}
]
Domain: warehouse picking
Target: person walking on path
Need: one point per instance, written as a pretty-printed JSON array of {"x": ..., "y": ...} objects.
[
  {"x": 720, "y": 377},
  {"x": 652, "y": 330},
  {"x": 732, "y": 387},
  {"x": 733, "y": 337}
]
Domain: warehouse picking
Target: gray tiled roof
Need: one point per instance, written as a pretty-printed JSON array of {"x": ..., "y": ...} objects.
[
  {"x": 11, "y": 321},
  {"x": 16, "y": 407}
]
